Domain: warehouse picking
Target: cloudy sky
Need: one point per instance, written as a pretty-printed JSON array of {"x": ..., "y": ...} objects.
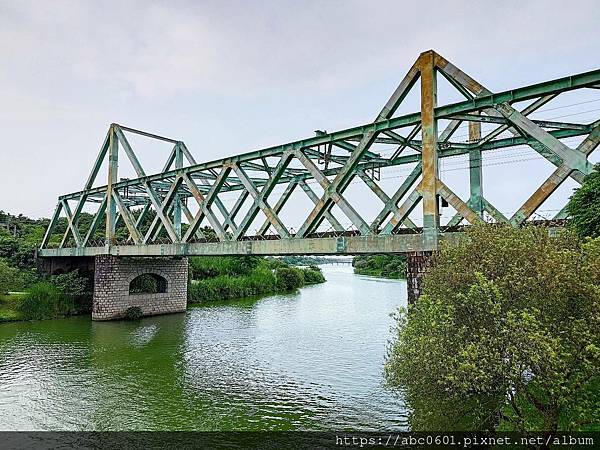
[{"x": 232, "y": 76}]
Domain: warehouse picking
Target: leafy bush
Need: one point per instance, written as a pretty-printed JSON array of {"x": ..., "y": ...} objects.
[
  {"x": 9, "y": 277},
  {"x": 274, "y": 263},
  {"x": 144, "y": 283},
  {"x": 302, "y": 260},
  {"x": 288, "y": 278},
  {"x": 148, "y": 283},
  {"x": 584, "y": 206},
  {"x": 133, "y": 313},
  {"x": 45, "y": 301},
  {"x": 75, "y": 286},
  {"x": 72, "y": 283},
  {"x": 313, "y": 275},
  {"x": 505, "y": 335}
]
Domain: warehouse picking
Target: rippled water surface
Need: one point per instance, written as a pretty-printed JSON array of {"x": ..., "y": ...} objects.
[{"x": 310, "y": 360}]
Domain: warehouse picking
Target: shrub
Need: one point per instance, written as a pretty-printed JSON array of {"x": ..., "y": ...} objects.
[
  {"x": 313, "y": 275},
  {"x": 76, "y": 287},
  {"x": 133, "y": 313},
  {"x": 45, "y": 301},
  {"x": 238, "y": 277},
  {"x": 288, "y": 278},
  {"x": 9, "y": 277},
  {"x": 274, "y": 263},
  {"x": 71, "y": 283}
]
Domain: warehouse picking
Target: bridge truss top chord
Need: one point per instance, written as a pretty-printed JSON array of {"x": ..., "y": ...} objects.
[{"x": 153, "y": 215}]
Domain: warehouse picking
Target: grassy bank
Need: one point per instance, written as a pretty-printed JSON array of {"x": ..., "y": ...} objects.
[
  {"x": 383, "y": 266},
  {"x": 10, "y": 307},
  {"x": 224, "y": 278}
]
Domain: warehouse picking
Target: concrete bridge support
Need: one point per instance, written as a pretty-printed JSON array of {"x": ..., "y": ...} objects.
[
  {"x": 113, "y": 276},
  {"x": 417, "y": 265}
]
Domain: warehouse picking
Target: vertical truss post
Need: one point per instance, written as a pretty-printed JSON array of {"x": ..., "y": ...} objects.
[
  {"x": 111, "y": 206},
  {"x": 475, "y": 170},
  {"x": 431, "y": 218},
  {"x": 177, "y": 204}
]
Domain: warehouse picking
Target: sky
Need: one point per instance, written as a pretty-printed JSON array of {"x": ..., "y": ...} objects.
[{"x": 228, "y": 77}]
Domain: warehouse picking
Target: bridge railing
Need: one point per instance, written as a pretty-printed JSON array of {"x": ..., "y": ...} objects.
[{"x": 183, "y": 206}]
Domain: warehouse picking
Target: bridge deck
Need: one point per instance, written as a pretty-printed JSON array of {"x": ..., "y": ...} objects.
[{"x": 342, "y": 245}]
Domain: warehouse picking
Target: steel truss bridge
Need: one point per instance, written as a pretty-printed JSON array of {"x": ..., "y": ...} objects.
[{"x": 159, "y": 220}]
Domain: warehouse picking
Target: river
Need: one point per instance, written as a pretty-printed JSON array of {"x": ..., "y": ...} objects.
[{"x": 308, "y": 360}]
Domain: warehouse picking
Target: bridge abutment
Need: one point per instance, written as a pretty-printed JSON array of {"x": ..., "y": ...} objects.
[
  {"x": 113, "y": 276},
  {"x": 417, "y": 264}
]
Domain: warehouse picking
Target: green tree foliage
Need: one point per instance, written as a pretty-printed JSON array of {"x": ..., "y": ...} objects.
[
  {"x": 313, "y": 275},
  {"x": 506, "y": 335},
  {"x": 72, "y": 284},
  {"x": 584, "y": 206},
  {"x": 57, "y": 296},
  {"x": 288, "y": 278},
  {"x": 9, "y": 278},
  {"x": 387, "y": 266},
  {"x": 225, "y": 287}
]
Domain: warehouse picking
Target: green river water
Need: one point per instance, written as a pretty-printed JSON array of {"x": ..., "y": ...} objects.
[{"x": 309, "y": 360}]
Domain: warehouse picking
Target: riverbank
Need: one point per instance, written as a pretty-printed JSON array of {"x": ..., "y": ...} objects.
[
  {"x": 381, "y": 266},
  {"x": 10, "y": 307}
]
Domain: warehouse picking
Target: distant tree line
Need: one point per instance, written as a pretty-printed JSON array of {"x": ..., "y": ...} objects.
[{"x": 302, "y": 260}]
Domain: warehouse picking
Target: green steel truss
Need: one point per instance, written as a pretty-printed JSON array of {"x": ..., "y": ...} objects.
[{"x": 331, "y": 160}]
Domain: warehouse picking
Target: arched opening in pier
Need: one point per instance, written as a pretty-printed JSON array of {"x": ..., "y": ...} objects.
[{"x": 148, "y": 283}]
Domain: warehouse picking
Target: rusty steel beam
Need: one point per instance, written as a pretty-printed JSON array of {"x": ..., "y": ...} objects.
[{"x": 429, "y": 151}]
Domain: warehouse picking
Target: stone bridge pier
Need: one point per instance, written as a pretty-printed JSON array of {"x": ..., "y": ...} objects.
[
  {"x": 417, "y": 264},
  {"x": 113, "y": 277}
]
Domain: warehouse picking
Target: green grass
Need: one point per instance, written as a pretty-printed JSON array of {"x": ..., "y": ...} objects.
[{"x": 9, "y": 307}]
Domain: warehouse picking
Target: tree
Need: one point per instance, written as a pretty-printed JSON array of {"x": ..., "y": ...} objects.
[
  {"x": 505, "y": 335},
  {"x": 584, "y": 206}
]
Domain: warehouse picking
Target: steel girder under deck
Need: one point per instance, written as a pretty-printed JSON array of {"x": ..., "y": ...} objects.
[{"x": 153, "y": 214}]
